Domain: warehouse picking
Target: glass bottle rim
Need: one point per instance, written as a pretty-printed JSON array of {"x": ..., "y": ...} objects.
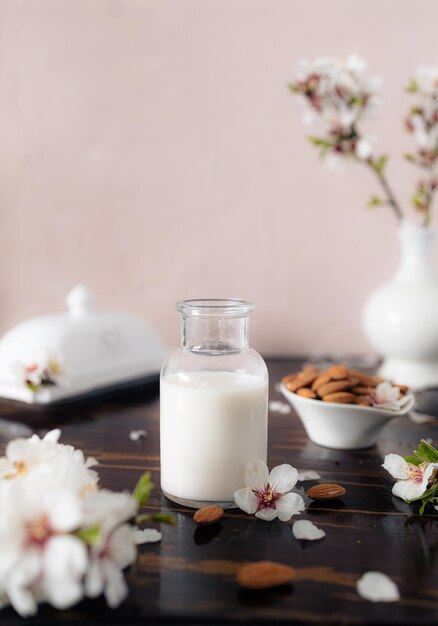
[{"x": 215, "y": 307}]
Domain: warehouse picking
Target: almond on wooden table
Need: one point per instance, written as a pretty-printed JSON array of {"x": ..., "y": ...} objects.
[
  {"x": 326, "y": 491},
  {"x": 208, "y": 515},
  {"x": 264, "y": 575}
]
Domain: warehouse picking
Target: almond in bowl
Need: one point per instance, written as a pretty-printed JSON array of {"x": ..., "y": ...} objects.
[{"x": 340, "y": 407}]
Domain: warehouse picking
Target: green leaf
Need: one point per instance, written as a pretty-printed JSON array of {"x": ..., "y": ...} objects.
[
  {"x": 143, "y": 489},
  {"x": 375, "y": 201},
  {"x": 164, "y": 518},
  {"x": 430, "y": 493},
  {"x": 426, "y": 452},
  {"x": 89, "y": 535},
  {"x": 409, "y": 157},
  {"x": 293, "y": 88},
  {"x": 413, "y": 86},
  {"x": 413, "y": 460},
  {"x": 379, "y": 164},
  {"x": 324, "y": 145},
  {"x": 425, "y": 501},
  {"x": 320, "y": 141}
]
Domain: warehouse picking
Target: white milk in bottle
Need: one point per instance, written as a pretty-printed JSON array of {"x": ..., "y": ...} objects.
[{"x": 213, "y": 405}]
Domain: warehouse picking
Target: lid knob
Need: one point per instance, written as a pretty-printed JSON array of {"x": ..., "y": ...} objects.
[{"x": 79, "y": 300}]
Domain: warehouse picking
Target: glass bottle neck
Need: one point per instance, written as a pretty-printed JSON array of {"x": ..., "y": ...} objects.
[{"x": 214, "y": 334}]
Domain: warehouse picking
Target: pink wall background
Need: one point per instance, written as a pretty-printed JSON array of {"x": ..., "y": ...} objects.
[{"x": 150, "y": 150}]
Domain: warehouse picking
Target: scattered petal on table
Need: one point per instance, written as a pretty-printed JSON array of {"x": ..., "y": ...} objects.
[
  {"x": 147, "y": 535},
  {"x": 377, "y": 587},
  {"x": 135, "y": 435},
  {"x": 308, "y": 475},
  {"x": 276, "y": 406},
  {"x": 303, "y": 529}
]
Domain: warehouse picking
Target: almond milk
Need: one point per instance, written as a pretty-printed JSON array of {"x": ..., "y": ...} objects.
[{"x": 212, "y": 424}]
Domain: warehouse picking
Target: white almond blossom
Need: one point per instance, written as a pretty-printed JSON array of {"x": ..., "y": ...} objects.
[
  {"x": 426, "y": 80},
  {"x": 43, "y": 370},
  {"x": 306, "y": 530},
  {"x": 41, "y": 559},
  {"x": 268, "y": 494},
  {"x": 60, "y": 536},
  {"x": 413, "y": 480},
  {"x": 377, "y": 587},
  {"x": 47, "y": 455},
  {"x": 364, "y": 148},
  {"x": 386, "y": 396},
  {"x": 336, "y": 90},
  {"x": 108, "y": 560},
  {"x": 115, "y": 545}
]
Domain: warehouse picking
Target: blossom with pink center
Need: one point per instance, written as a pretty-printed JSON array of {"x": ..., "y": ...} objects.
[
  {"x": 386, "y": 396},
  {"x": 267, "y": 495},
  {"x": 413, "y": 480}
]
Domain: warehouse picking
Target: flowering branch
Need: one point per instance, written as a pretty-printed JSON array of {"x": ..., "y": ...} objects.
[
  {"x": 422, "y": 123},
  {"x": 338, "y": 97},
  {"x": 377, "y": 165}
]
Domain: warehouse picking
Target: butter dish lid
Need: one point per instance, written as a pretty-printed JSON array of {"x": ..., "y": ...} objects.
[{"x": 54, "y": 357}]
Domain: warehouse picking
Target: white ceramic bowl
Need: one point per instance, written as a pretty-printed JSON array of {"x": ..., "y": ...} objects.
[{"x": 343, "y": 426}]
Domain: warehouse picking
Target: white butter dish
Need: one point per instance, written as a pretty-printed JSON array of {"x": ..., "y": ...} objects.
[{"x": 63, "y": 356}]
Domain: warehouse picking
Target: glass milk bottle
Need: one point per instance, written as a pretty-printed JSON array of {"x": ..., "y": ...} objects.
[{"x": 213, "y": 404}]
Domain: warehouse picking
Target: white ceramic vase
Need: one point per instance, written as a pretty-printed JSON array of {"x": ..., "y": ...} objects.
[{"x": 400, "y": 318}]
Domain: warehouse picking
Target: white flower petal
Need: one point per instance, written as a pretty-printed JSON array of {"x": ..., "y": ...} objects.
[
  {"x": 20, "y": 580},
  {"x": 288, "y": 505},
  {"x": 135, "y": 435},
  {"x": 307, "y": 475},
  {"x": 52, "y": 435},
  {"x": 396, "y": 466},
  {"x": 246, "y": 500},
  {"x": 116, "y": 588},
  {"x": 304, "y": 529},
  {"x": 94, "y": 582},
  {"x": 377, "y": 587},
  {"x": 364, "y": 148},
  {"x": 65, "y": 556},
  {"x": 283, "y": 478},
  {"x": 408, "y": 490},
  {"x": 146, "y": 535},
  {"x": 121, "y": 547},
  {"x": 65, "y": 512},
  {"x": 65, "y": 563},
  {"x": 267, "y": 514},
  {"x": 430, "y": 470},
  {"x": 256, "y": 474}
]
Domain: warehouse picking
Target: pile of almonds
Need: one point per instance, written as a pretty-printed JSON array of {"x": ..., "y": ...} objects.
[{"x": 338, "y": 383}]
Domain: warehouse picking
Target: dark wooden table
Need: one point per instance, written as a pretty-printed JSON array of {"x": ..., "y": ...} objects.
[{"x": 189, "y": 578}]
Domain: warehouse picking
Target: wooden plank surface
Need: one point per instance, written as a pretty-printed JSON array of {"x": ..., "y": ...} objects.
[{"x": 189, "y": 578}]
